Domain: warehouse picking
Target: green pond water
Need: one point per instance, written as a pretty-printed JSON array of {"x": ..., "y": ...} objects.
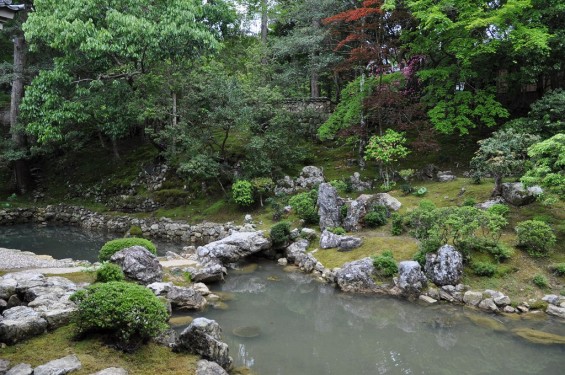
[
  {"x": 62, "y": 241},
  {"x": 300, "y": 326}
]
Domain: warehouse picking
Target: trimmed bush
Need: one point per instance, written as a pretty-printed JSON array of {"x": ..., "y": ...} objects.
[
  {"x": 280, "y": 233},
  {"x": 109, "y": 272},
  {"x": 397, "y": 227},
  {"x": 376, "y": 217},
  {"x": 499, "y": 209},
  {"x": 131, "y": 314},
  {"x": 536, "y": 237},
  {"x": 304, "y": 204},
  {"x": 540, "y": 281},
  {"x": 337, "y": 230},
  {"x": 112, "y": 247},
  {"x": 385, "y": 265},
  {"x": 469, "y": 202},
  {"x": 484, "y": 269},
  {"x": 242, "y": 193}
]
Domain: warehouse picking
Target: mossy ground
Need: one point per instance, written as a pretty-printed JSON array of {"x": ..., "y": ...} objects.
[{"x": 95, "y": 355}]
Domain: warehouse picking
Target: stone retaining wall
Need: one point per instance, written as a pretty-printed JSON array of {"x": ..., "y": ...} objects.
[{"x": 165, "y": 229}]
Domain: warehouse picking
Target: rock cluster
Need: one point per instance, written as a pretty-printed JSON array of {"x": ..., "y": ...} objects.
[
  {"x": 310, "y": 177},
  {"x": 32, "y": 303}
]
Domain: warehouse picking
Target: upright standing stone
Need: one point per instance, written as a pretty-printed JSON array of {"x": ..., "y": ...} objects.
[{"x": 329, "y": 204}]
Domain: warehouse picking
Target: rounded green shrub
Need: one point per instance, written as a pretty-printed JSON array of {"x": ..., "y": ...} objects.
[
  {"x": 304, "y": 204},
  {"x": 499, "y": 209},
  {"x": 469, "y": 202},
  {"x": 397, "y": 224},
  {"x": 280, "y": 233},
  {"x": 540, "y": 281},
  {"x": 484, "y": 269},
  {"x": 131, "y": 314},
  {"x": 376, "y": 217},
  {"x": 112, "y": 247},
  {"x": 337, "y": 230},
  {"x": 109, "y": 272},
  {"x": 536, "y": 237},
  {"x": 242, "y": 193},
  {"x": 385, "y": 265},
  {"x": 135, "y": 231}
]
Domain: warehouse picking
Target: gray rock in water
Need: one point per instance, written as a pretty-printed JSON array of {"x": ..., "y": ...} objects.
[
  {"x": 21, "y": 369},
  {"x": 160, "y": 288},
  {"x": 411, "y": 280},
  {"x": 488, "y": 305},
  {"x": 20, "y": 323},
  {"x": 296, "y": 251},
  {"x": 556, "y": 311},
  {"x": 210, "y": 272},
  {"x": 139, "y": 265},
  {"x": 234, "y": 247},
  {"x": 112, "y": 371},
  {"x": 517, "y": 195},
  {"x": 357, "y": 277},
  {"x": 185, "y": 298},
  {"x": 204, "y": 338},
  {"x": 445, "y": 267},
  {"x": 329, "y": 204},
  {"x": 60, "y": 366},
  {"x": 205, "y": 367},
  {"x": 472, "y": 298}
]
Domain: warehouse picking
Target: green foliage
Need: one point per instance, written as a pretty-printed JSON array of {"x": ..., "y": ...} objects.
[
  {"x": 339, "y": 185},
  {"x": 304, "y": 204},
  {"x": 113, "y": 246},
  {"x": 548, "y": 170},
  {"x": 343, "y": 211},
  {"x": 242, "y": 193},
  {"x": 187, "y": 276},
  {"x": 484, "y": 269},
  {"x": 337, "y": 230},
  {"x": 376, "y": 217},
  {"x": 262, "y": 185},
  {"x": 387, "y": 150},
  {"x": 171, "y": 197},
  {"x": 428, "y": 245},
  {"x": 109, "y": 272},
  {"x": 540, "y": 281},
  {"x": 397, "y": 224},
  {"x": 130, "y": 313},
  {"x": 280, "y": 233},
  {"x": 558, "y": 269},
  {"x": 135, "y": 231},
  {"x": 499, "y": 209},
  {"x": 385, "y": 265},
  {"x": 469, "y": 202},
  {"x": 545, "y": 118},
  {"x": 536, "y": 237}
]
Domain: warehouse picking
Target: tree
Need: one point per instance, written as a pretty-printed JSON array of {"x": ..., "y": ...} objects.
[
  {"x": 548, "y": 168},
  {"x": 467, "y": 45},
  {"x": 387, "y": 150},
  {"x": 503, "y": 154}
]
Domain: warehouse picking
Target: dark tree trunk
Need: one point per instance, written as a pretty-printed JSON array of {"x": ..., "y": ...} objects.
[
  {"x": 24, "y": 181},
  {"x": 264, "y": 21}
]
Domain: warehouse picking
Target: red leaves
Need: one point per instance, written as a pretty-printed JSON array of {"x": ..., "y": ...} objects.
[{"x": 369, "y": 7}]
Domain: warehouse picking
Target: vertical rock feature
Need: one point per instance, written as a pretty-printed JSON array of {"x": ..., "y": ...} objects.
[
  {"x": 329, "y": 204},
  {"x": 445, "y": 267},
  {"x": 411, "y": 280}
]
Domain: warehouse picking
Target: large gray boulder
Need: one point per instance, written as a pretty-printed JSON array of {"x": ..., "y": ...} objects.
[
  {"x": 20, "y": 323},
  {"x": 387, "y": 200},
  {"x": 182, "y": 298},
  {"x": 444, "y": 267},
  {"x": 204, "y": 367},
  {"x": 236, "y": 246},
  {"x": 356, "y": 211},
  {"x": 296, "y": 251},
  {"x": 210, "y": 272},
  {"x": 411, "y": 280},
  {"x": 329, "y": 240},
  {"x": 329, "y": 204},
  {"x": 204, "y": 338},
  {"x": 357, "y": 277},
  {"x": 139, "y": 265},
  {"x": 517, "y": 195},
  {"x": 309, "y": 177},
  {"x": 7, "y": 287},
  {"x": 21, "y": 369},
  {"x": 59, "y": 366}
]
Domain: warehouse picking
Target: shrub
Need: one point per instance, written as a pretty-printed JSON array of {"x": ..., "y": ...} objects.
[
  {"x": 305, "y": 206},
  {"x": 112, "y": 247},
  {"x": 397, "y": 227},
  {"x": 558, "y": 269},
  {"x": 540, "y": 281},
  {"x": 339, "y": 185},
  {"x": 536, "y": 237},
  {"x": 376, "y": 217},
  {"x": 280, "y": 233},
  {"x": 484, "y": 269},
  {"x": 429, "y": 245},
  {"x": 343, "y": 212},
  {"x": 337, "y": 230},
  {"x": 469, "y": 202},
  {"x": 499, "y": 251},
  {"x": 135, "y": 231},
  {"x": 109, "y": 272},
  {"x": 171, "y": 197},
  {"x": 499, "y": 209},
  {"x": 131, "y": 314},
  {"x": 385, "y": 265},
  {"x": 242, "y": 193}
]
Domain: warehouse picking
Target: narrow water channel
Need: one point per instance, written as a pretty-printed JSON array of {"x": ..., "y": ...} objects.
[{"x": 300, "y": 326}]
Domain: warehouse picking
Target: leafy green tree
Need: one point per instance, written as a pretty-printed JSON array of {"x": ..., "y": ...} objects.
[
  {"x": 386, "y": 150},
  {"x": 262, "y": 185},
  {"x": 242, "y": 192},
  {"x": 546, "y": 117},
  {"x": 548, "y": 168},
  {"x": 503, "y": 154},
  {"x": 466, "y": 45}
]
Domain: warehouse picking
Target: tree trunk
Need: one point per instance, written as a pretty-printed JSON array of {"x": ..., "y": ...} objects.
[
  {"x": 264, "y": 29},
  {"x": 115, "y": 149},
  {"x": 24, "y": 181},
  {"x": 314, "y": 87},
  {"x": 497, "y": 191}
]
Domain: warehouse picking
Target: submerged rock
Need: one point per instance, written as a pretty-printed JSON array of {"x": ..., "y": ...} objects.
[
  {"x": 539, "y": 337},
  {"x": 139, "y": 265},
  {"x": 247, "y": 331},
  {"x": 445, "y": 267}
]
